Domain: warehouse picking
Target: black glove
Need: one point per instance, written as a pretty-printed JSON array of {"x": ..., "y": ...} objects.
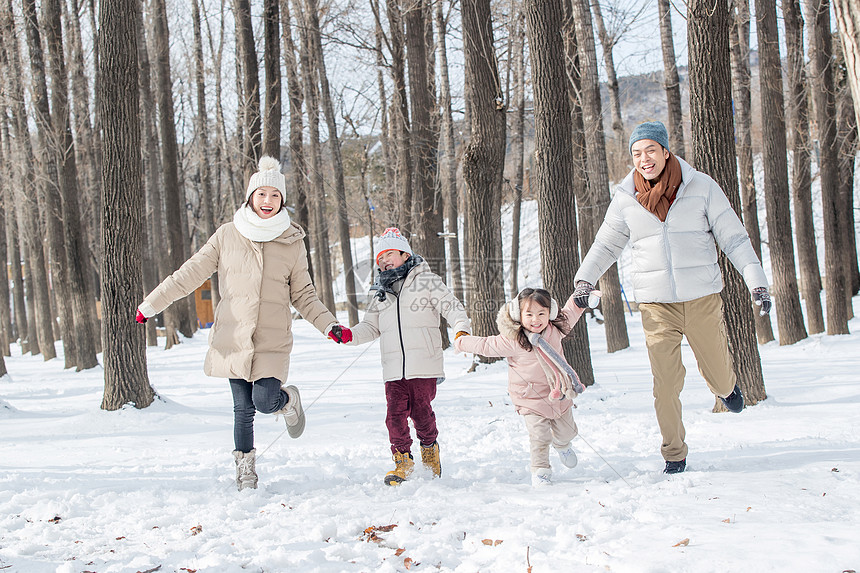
[
  {"x": 762, "y": 298},
  {"x": 580, "y": 295}
]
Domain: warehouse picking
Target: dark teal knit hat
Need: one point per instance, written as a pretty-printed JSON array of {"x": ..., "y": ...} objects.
[{"x": 653, "y": 130}]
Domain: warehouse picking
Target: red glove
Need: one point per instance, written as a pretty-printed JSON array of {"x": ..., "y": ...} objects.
[
  {"x": 140, "y": 318},
  {"x": 340, "y": 334}
]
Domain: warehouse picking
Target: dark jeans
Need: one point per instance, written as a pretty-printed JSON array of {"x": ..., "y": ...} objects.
[
  {"x": 263, "y": 395},
  {"x": 410, "y": 399}
]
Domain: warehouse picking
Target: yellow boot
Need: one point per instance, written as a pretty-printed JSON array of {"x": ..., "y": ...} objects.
[
  {"x": 403, "y": 465},
  {"x": 430, "y": 458}
]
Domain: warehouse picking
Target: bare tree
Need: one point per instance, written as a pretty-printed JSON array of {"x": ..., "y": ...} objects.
[
  {"x": 19, "y": 306},
  {"x": 126, "y": 380},
  {"x": 598, "y": 178},
  {"x": 671, "y": 81},
  {"x": 553, "y": 173},
  {"x": 174, "y": 196},
  {"x": 337, "y": 161},
  {"x": 272, "y": 64},
  {"x": 609, "y": 39},
  {"x": 787, "y": 301},
  {"x": 39, "y": 314},
  {"x": 518, "y": 33},
  {"x": 483, "y": 164},
  {"x": 385, "y": 125},
  {"x": 48, "y": 182},
  {"x": 298, "y": 167},
  {"x": 6, "y": 336},
  {"x": 714, "y": 153},
  {"x": 740, "y": 54},
  {"x": 848, "y": 22},
  {"x": 82, "y": 295},
  {"x": 846, "y": 141},
  {"x": 449, "y": 157},
  {"x": 400, "y": 116},
  {"x": 247, "y": 56},
  {"x": 797, "y": 111},
  {"x": 821, "y": 71}
]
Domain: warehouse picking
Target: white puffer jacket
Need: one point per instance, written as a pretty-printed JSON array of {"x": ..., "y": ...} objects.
[
  {"x": 408, "y": 325},
  {"x": 675, "y": 260}
]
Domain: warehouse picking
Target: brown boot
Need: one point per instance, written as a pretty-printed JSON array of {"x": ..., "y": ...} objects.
[
  {"x": 430, "y": 458},
  {"x": 403, "y": 465}
]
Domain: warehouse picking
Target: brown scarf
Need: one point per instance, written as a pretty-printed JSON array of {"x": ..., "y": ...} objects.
[{"x": 657, "y": 195}]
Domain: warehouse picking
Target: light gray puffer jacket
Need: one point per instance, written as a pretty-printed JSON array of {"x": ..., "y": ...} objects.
[
  {"x": 408, "y": 325},
  {"x": 675, "y": 260}
]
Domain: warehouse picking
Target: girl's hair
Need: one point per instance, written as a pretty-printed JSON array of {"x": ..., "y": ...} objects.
[{"x": 544, "y": 299}]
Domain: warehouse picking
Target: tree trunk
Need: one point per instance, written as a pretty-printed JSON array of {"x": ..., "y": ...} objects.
[
  {"x": 385, "y": 124},
  {"x": 19, "y": 306},
  {"x": 518, "y": 142},
  {"x": 553, "y": 172},
  {"x": 49, "y": 184},
  {"x": 598, "y": 180},
  {"x": 608, "y": 42},
  {"x": 126, "y": 380},
  {"x": 82, "y": 295},
  {"x": 821, "y": 70},
  {"x": 272, "y": 65},
  {"x": 848, "y": 22},
  {"x": 427, "y": 211},
  {"x": 247, "y": 55},
  {"x": 6, "y": 336},
  {"x": 397, "y": 42},
  {"x": 789, "y": 316},
  {"x": 203, "y": 149},
  {"x": 714, "y": 154},
  {"x": 320, "y": 228},
  {"x": 797, "y": 111},
  {"x": 39, "y": 329},
  {"x": 483, "y": 164},
  {"x": 337, "y": 164},
  {"x": 671, "y": 81},
  {"x": 846, "y": 138},
  {"x": 174, "y": 196},
  {"x": 740, "y": 31},
  {"x": 298, "y": 166}
]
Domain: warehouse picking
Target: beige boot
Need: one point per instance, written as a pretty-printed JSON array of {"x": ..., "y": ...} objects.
[
  {"x": 246, "y": 474},
  {"x": 430, "y": 458},
  {"x": 403, "y": 465}
]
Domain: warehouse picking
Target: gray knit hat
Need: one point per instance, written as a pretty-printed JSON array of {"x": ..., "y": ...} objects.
[{"x": 653, "y": 130}]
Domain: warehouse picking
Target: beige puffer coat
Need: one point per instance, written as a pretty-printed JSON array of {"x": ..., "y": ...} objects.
[
  {"x": 408, "y": 325},
  {"x": 252, "y": 334},
  {"x": 530, "y": 375}
]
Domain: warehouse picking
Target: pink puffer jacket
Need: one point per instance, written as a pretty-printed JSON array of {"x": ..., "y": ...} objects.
[{"x": 530, "y": 376}]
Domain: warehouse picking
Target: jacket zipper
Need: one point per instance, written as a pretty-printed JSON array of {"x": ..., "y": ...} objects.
[{"x": 400, "y": 334}]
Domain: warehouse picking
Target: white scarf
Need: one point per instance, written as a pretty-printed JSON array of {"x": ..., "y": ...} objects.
[{"x": 259, "y": 230}]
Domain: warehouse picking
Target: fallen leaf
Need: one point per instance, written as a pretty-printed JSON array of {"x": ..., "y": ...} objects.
[
  {"x": 749, "y": 508},
  {"x": 408, "y": 563},
  {"x": 196, "y": 529},
  {"x": 187, "y": 569},
  {"x": 834, "y": 469},
  {"x": 156, "y": 568},
  {"x": 55, "y": 519},
  {"x": 370, "y": 533},
  {"x": 487, "y": 541},
  {"x": 683, "y": 543},
  {"x": 399, "y": 552},
  {"x": 120, "y": 537},
  {"x": 581, "y": 537},
  {"x": 497, "y": 541}
]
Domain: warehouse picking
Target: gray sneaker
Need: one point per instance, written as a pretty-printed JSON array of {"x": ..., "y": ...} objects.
[{"x": 293, "y": 412}]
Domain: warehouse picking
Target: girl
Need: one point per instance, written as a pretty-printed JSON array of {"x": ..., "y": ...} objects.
[
  {"x": 262, "y": 268},
  {"x": 540, "y": 381}
]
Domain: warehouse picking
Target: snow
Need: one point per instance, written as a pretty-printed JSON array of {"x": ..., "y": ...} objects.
[{"x": 774, "y": 488}]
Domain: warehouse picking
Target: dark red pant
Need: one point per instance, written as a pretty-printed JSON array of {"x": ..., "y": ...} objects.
[{"x": 410, "y": 399}]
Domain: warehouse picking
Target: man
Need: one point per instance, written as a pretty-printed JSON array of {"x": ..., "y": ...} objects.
[{"x": 674, "y": 217}]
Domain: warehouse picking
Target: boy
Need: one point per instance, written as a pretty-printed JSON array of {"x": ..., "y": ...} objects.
[{"x": 405, "y": 313}]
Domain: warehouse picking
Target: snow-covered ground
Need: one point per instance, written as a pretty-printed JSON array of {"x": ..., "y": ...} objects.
[{"x": 775, "y": 488}]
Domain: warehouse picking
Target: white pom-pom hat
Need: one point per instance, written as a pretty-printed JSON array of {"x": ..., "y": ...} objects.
[
  {"x": 269, "y": 175},
  {"x": 391, "y": 240}
]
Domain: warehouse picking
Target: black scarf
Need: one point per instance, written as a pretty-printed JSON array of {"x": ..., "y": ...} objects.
[{"x": 386, "y": 279}]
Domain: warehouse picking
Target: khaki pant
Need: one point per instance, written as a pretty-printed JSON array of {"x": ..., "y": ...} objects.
[
  {"x": 701, "y": 321},
  {"x": 545, "y": 431}
]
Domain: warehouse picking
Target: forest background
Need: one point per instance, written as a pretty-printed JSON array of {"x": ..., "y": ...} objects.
[{"x": 129, "y": 129}]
